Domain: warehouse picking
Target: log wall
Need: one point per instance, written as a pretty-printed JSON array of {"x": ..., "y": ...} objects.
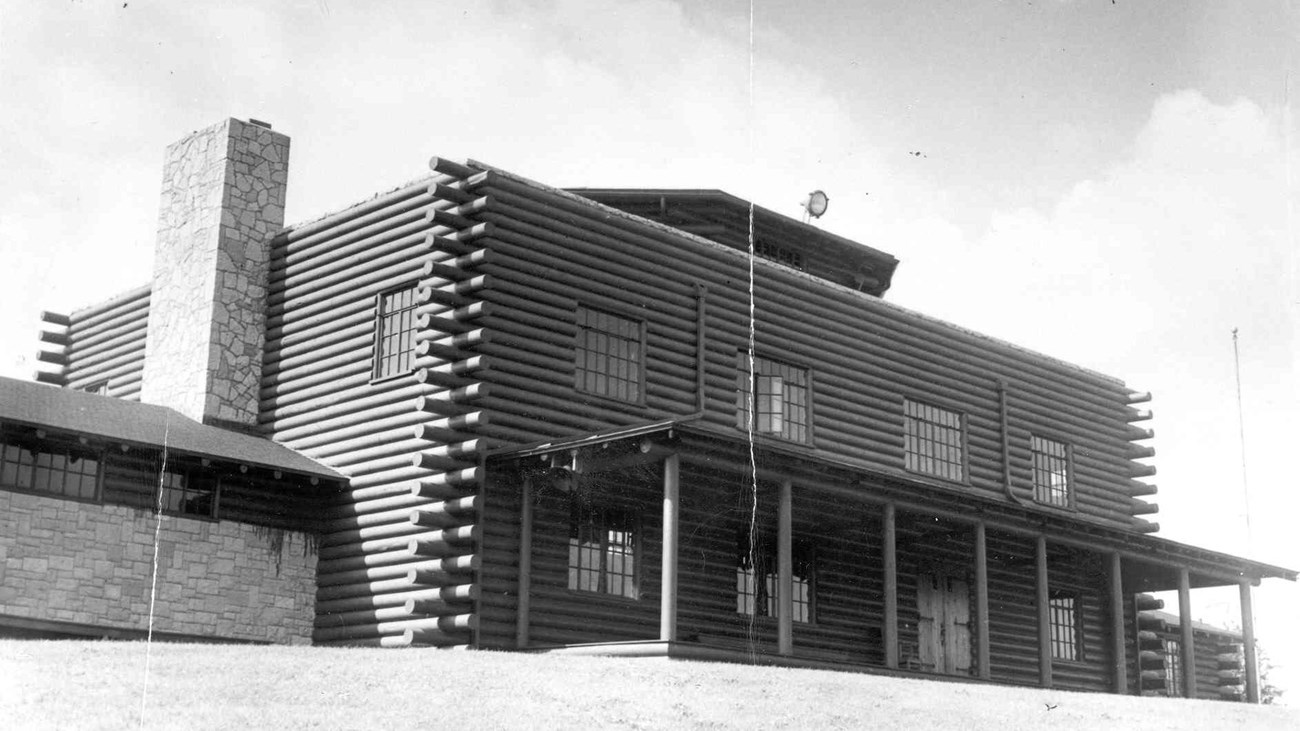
[
  {"x": 552, "y": 253},
  {"x": 103, "y": 343},
  {"x": 848, "y": 606},
  {"x": 398, "y": 559},
  {"x": 503, "y": 265}
]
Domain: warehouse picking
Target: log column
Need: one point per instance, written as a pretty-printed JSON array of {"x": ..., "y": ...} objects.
[
  {"x": 1188, "y": 638},
  {"x": 525, "y": 563},
  {"x": 889, "y": 551},
  {"x": 1118, "y": 662},
  {"x": 982, "y": 601},
  {"x": 1044, "y": 616},
  {"x": 1248, "y": 643},
  {"x": 668, "y": 573},
  {"x": 785, "y": 572}
]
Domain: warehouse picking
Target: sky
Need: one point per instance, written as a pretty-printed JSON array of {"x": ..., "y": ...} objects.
[{"x": 1111, "y": 183}]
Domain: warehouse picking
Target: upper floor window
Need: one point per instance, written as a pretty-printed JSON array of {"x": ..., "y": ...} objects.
[
  {"x": 395, "y": 333},
  {"x": 779, "y": 254},
  {"x": 780, "y": 398},
  {"x": 758, "y": 580},
  {"x": 1051, "y": 471},
  {"x": 934, "y": 441},
  {"x": 65, "y": 473},
  {"x": 610, "y": 355},
  {"x": 99, "y": 387},
  {"x": 1063, "y": 619},
  {"x": 603, "y": 550}
]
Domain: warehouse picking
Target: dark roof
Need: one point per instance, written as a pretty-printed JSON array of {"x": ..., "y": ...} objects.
[{"x": 137, "y": 424}]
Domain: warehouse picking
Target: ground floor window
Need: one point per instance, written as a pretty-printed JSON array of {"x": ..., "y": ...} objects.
[
  {"x": 64, "y": 472},
  {"x": 757, "y": 580},
  {"x": 603, "y": 550},
  {"x": 1063, "y": 618},
  {"x": 1173, "y": 667}
]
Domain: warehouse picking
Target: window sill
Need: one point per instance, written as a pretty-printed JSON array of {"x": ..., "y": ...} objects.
[
  {"x": 604, "y": 596},
  {"x": 377, "y": 380}
]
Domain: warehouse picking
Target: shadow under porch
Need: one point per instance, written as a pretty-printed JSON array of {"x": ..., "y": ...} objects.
[{"x": 812, "y": 568}]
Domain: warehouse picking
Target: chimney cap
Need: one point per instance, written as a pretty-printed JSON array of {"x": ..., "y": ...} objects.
[{"x": 259, "y": 123}]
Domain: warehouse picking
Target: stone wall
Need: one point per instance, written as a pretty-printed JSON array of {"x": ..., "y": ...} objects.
[
  {"x": 64, "y": 561},
  {"x": 222, "y": 201}
]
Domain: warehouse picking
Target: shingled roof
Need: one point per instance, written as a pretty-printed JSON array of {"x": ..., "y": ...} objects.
[{"x": 147, "y": 425}]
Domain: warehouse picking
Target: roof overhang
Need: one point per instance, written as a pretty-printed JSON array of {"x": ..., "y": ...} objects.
[{"x": 134, "y": 424}]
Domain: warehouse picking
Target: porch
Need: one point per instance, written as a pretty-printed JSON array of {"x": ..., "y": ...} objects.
[{"x": 661, "y": 542}]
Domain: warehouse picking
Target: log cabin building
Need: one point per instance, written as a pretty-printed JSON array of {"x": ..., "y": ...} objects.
[{"x": 649, "y": 423}]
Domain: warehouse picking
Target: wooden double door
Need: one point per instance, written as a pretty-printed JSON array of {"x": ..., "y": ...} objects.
[{"x": 943, "y": 629}]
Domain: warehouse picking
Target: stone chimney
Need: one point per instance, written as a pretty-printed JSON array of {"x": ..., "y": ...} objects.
[{"x": 222, "y": 201}]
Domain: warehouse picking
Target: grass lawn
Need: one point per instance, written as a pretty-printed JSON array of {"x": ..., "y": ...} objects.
[{"x": 103, "y": 685}]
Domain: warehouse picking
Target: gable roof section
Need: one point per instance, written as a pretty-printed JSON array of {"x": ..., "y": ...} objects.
[{"x": 149, "y": 425}]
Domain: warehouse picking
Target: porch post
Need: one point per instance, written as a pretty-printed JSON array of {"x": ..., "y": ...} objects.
[
  {"x": 1117, "y": 643},
  {"x": 668, "y": 571},
  {"x": 1188, "y": 638},
  {"x": 1044, "y": 616},
  {"x": 982, "y": 601},
  {"x": 1248, "y": 643},
  {"x": 523, "y": 596},
  {"x": 785, "y": 572},
  {"x": 890, "y": 633}
]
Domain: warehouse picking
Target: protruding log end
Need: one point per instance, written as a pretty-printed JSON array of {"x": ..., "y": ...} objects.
[
  {"x": 1142, "y": 507},
  {"x": 55, "y": 318},
  {"x": 50, "y": 377},
  {"x": 1148, "y": 603},
  {"x": 449, "y": 167},
  {"x": 1145, "y": 526}
]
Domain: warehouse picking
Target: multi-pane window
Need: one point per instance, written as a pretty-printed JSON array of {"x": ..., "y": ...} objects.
[
  {"x": 1063, "y": 620},
  {"x": 779, "y": 254},
  {"x": 395, "y": 333},
  {"x": 1173, "y": 650},
  {"x": 610, "y": 355},
  {"x": 780, "y": 398},
  {"x": 934, "y": 441},
  {"x": 64, "y": 473},
  {"x": 189, "y": 494},
  {"x": 603, "y": 550},
  {"x": 1051, "y": 471},
  {"x": 757, "y": 580}
]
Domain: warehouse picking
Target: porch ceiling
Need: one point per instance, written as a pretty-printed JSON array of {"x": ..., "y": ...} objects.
[{"x": 1151, "y": 563}]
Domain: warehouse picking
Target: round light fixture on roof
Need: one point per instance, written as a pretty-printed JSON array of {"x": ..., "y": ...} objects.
[{"x": 815, "y": 204}]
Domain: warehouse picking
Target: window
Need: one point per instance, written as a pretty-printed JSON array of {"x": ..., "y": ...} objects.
[
  {"x": 1063, "y": 619},
  {"x": 757, "y": 579},
  {"x": 98, "y": 387},
  {"x": 934, "y": 441},
  {"x": 1051, "y": 471},
  {"x": 395, "y": 333},
  {"x": 135, "y": 480},
  {"x": 603, "y": 550},
  {"x": 781, "y": 402},
  {"x": 189, "y": 494},
  {"x": 779, "y": 254},
  {"x": 65, "y": 473},
  {"x": 1173, "y": 650},
  {"x": 610, "y": 355}
]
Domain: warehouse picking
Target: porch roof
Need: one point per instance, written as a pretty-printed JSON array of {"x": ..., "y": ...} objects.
[{"x": 728, "y": 449}]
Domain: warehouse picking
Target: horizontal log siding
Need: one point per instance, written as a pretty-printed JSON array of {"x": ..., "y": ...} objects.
[
  {"x": 398, "y": 555},
  {"x": 106, "y": 342},
  {"x": 864, "y": 356}
]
